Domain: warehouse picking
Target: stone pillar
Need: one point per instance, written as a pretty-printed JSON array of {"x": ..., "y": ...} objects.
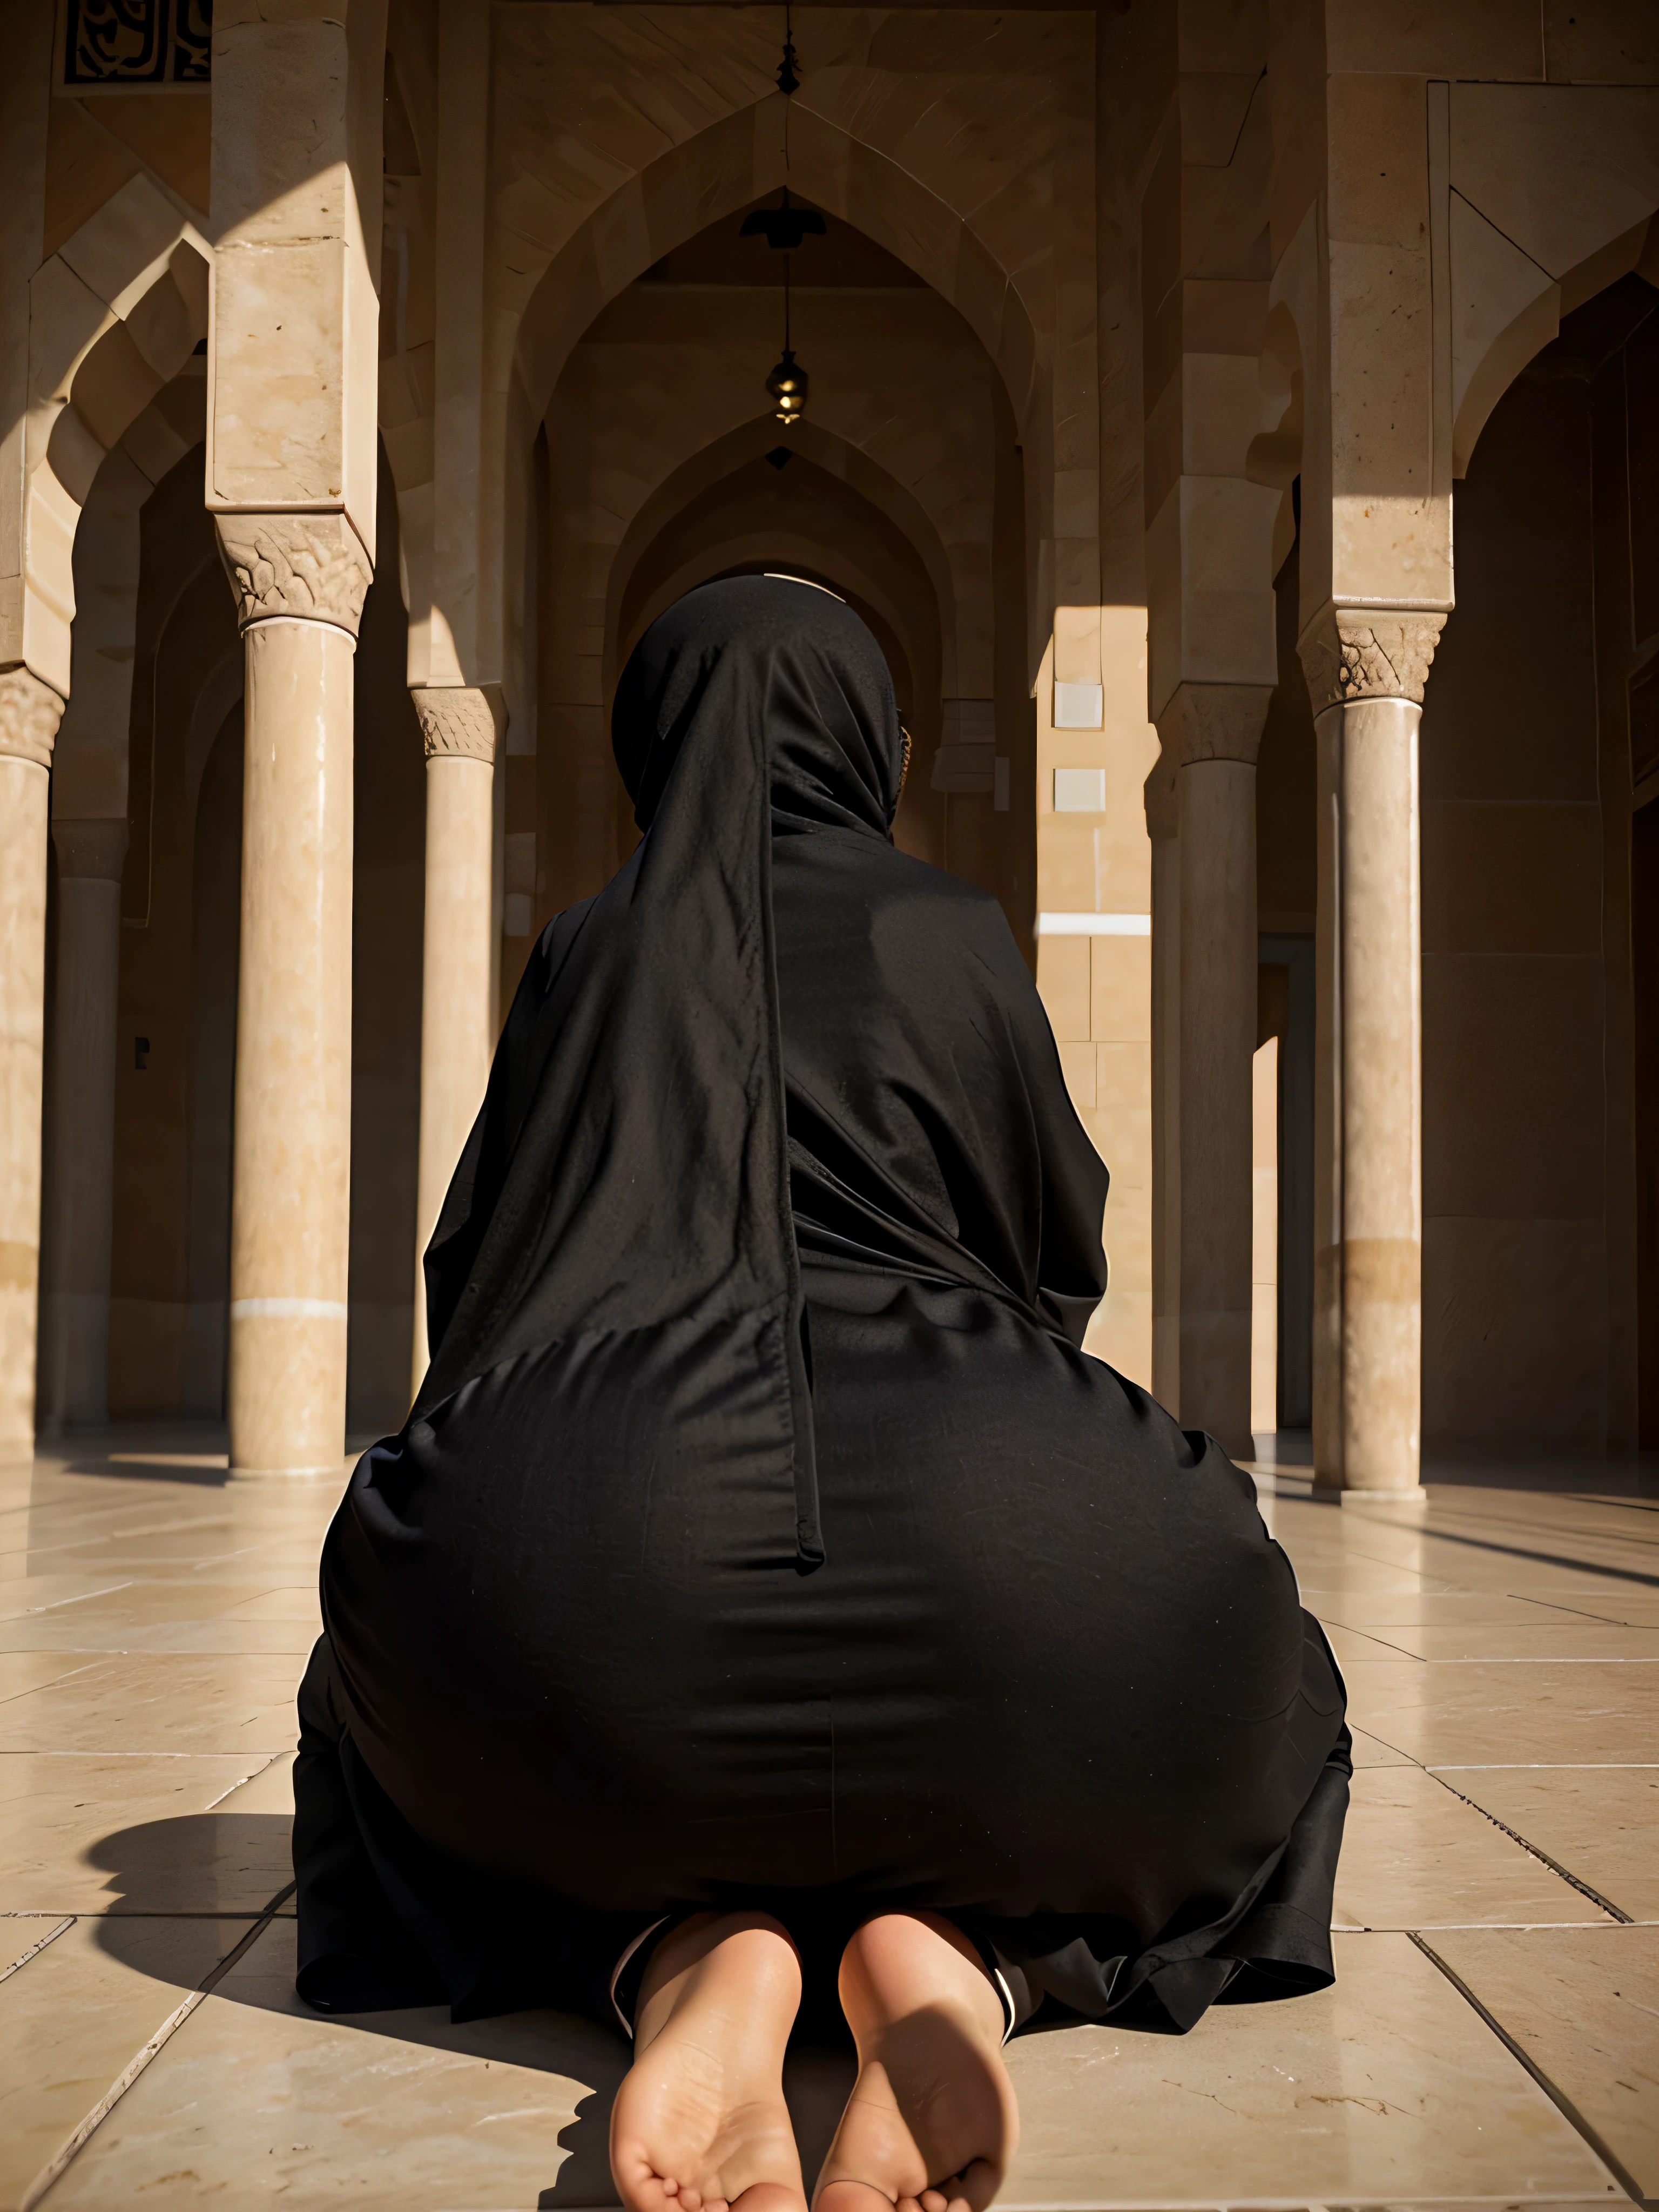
[
  {"x": 1366, "y": 671},
  {"x": 78, "y": 1207},
  {"x": 300, "y": 581},
  {"x": 298, "y": 183},
  {"x": 460, "y": 728},
  {"x": 29, "y": 713},
  {"x": 1214, "y": 730},
  {"x": 1162, "y": 802}
]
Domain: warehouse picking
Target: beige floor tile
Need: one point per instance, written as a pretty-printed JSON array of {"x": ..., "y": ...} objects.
[
  {"x": 100, "y": 1634},
  {"x": 81, "y": 1834},
  {"x": 1515, "y": 1642},
  {"x": 1534, "y": 1550},
  {"x": 268, "y": 1791},
  {"x": 242, "y": 1704},
  {"x": 1325, "y": 1584},
  {"x": 1477, "y": 1715},
  {"x": 23, "y": 1673},
  {"x": 51, "y": 1527},
  {"x": 1370, "y": 1751},
  {"x": 296, "y": 1601},
  {"x": 1507, "y": 1573},
  {"x": 1374, "y": 1616},
  {"x": 113, "y": 1557},
  {"x": 1415, "y": 1856},
  {"x": 257, "y": 2098},
  {"x": 1602, "y": 1823},
  {"x": 1583, "y": 2003},
  {"x": 1636, "y": 1607},
  {"x": 28, "y": 1596},
  {"x": 149, "y": 1599},
  {"x": 74, "y": 2016},
  {"x": 276, "y": 1564},
  {"x": 1384, "y": 2089},
  {"x": 1357, "y": 1647}
]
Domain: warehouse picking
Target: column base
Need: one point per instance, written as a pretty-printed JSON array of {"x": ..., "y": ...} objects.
[
  {"x": 1407, "y": 1505},
  {"x": 335, "y": 1470}
]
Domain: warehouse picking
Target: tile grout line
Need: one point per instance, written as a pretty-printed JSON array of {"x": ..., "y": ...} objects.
[
  {"x": 1558, "y": 2097},
  {"x": 1595, "y": 1896},
  {"x": 51, "y": 1936},
  {"x": 54, "y": 2170},
  {"x": 242, "y": 1781}
]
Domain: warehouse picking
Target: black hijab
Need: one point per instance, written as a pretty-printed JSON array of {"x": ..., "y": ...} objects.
[{"x": 632, "y": 1164}]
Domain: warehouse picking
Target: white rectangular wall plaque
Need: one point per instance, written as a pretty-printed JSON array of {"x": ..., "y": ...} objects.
[
  {"x": 1079, "y": 706},
  {"x": 1079, "y": 791},
  {"x": 1094, "y": 925}
]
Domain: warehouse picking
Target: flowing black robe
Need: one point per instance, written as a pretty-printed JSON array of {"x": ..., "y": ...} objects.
[{"x": 762, "y": 1535}]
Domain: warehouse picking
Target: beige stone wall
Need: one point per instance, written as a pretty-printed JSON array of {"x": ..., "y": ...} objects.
[{"x": 1096, "y": 864}]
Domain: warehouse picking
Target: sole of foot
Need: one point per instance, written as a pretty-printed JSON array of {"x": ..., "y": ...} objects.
[
  {"x": 932, "y": 2122},
  {"x": 699, "y": 2123}
]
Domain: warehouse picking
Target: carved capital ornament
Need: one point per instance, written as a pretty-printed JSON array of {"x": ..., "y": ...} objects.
[
  {"x": 456, "y": 724},
  {"x": 30, "y": 712},
  {"x": 309, "y": 568},
  {"x": 1350, "y": 653}
]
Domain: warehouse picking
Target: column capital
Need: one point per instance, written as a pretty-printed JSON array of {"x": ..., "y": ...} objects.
[
  {"x": 460, "y": 722},
  {"x": 30, "y": 712},
  {"x": 309, "y": 568},
  {"x": 1214, "y": 722},
  {"x": 1368, "y": 653},
  {"x": 90, "y": 846}
]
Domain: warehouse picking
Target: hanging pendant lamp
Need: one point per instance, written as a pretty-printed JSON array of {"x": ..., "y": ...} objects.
[
  {"x": 784, "y": 227},
  {"x": 788, "y": 383}
]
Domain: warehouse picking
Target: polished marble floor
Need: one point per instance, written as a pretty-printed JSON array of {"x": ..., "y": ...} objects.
[{"x": 1492, "y": 2037}]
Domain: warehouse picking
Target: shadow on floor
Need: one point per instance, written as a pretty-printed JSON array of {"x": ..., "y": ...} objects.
[
  {"x": 198, "y": 1863},
  {"x": 168, "y": 1877}
]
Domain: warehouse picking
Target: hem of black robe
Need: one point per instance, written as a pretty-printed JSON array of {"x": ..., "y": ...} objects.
[
  {"x": 385, "y": 1921},
  {"x": 1274, "y": 1942}
]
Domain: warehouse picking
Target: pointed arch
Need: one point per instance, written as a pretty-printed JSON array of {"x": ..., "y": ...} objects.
[
  {"x": 114, "y": 315},
  {"x": 837, "y": 457}
]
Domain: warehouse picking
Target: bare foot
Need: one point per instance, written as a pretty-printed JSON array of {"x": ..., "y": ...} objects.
[
  {"x": 699, "y": 2122},
  {"x": 932, "y": 2122}
]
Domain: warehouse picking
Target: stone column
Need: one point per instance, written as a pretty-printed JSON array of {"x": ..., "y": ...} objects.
[
  {"x": 459, "y": 727},
  {"x": 1214, "y": 730},
  {"x": 78, "y": 1206},
  {"x": 29, "y": 713},
  {"x": 1162, "y": 802},
  {"x": 1366, "y": 671},
  {"x": 300, "y": 581}
]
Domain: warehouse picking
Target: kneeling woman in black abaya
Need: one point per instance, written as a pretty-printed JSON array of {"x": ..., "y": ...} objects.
[{"x": 766, "y": 1588}]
